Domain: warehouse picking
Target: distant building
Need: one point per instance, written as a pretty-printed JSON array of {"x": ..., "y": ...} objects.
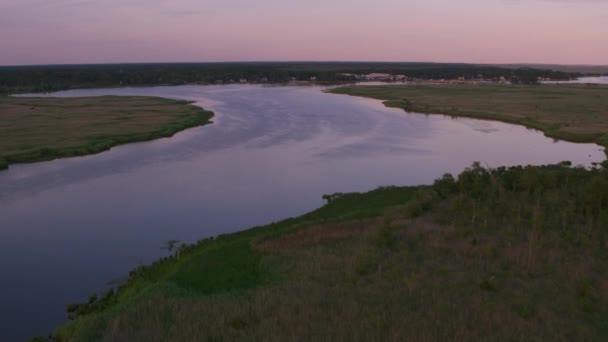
[
  {"x": 378, "y": 77},
  {"x": 503, "y": 80}
]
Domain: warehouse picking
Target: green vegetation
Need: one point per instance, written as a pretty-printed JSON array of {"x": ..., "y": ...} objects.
[
  {"x": 503, "y": 254},
  {"x": 577, "y": 113},
  {"x": 583, "y": 69},
  {"x": 37, "y": 129},
  {"x": 59, "y": 77}
]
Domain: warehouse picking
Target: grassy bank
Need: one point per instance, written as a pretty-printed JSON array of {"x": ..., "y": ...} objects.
[
  {"x": 576, "y": 113},
  {"x": 505, "y": 254},
  {"x": 37, "y": 129}
]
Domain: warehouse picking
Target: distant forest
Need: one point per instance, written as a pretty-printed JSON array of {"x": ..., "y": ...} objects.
[{"x": 60, "y": 77}]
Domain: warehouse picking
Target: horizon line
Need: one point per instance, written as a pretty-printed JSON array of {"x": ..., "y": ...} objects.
[{"x": 296, "y": 61}]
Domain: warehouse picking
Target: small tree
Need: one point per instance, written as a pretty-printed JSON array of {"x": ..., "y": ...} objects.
[{"x": 172, "y": 245}]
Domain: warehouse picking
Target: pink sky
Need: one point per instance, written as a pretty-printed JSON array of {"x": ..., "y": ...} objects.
[{"x": 478, "y": 31}]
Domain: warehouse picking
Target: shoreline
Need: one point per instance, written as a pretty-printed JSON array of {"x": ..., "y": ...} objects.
[
  {"x": 362, "y": 244},
  {"x": 343, "y": 88},
  {"x": 104, "y": 143},
  {"x": 600, "y": 139}
]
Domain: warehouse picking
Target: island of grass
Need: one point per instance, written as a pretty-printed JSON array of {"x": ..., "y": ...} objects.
[
  {"x": 576, "y": 113},
  {"x": 37, "y": 129}
]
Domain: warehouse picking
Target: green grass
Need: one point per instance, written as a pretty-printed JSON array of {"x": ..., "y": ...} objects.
[
  {"x": 577, "y": 113},
  {"x": 38, "y": 129},
  {"x": 229, "y": 267},
  {"x": 505, "y": 254}
]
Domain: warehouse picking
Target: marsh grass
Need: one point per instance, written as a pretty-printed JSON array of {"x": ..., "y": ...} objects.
[
  {"x": 38, "y": 129},
  {"x": 577, "y": 113},
  {"x": 502, "y": 254}
]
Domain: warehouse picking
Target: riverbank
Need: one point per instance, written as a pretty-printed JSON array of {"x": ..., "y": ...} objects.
[
  {"x": 39, "y": 129},
  {"x": 575, "y": 113},
  {"x": 482, "y": 256}
]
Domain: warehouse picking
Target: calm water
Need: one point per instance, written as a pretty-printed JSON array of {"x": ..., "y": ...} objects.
[
  {"x": 585, "y": 80},
  {"x": 68, "y": 227}
]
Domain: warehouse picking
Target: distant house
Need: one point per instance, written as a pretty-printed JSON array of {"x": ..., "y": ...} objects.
[
  {"x": 378, "y": 77},
  {"x": 243, "y": 80},
  {"x": 503, "y": 80}
]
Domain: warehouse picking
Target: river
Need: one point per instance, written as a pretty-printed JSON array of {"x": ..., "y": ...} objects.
[{"x": 70, "y": 227}]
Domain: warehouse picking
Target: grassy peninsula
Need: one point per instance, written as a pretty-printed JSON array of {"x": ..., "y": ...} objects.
[
  {"x": 506, "y": 254},
  {"x": 577, "y": 113},
  {"x": 37, "y": 129}
]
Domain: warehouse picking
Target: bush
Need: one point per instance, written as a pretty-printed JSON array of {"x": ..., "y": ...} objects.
[{"x": 421, "y": 202}]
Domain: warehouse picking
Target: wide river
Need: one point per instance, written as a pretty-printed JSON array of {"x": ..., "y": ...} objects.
[{"x": 70, "y": 227}]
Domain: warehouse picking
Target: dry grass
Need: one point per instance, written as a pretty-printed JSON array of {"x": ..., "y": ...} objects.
[{"x": 317, "y": 235}]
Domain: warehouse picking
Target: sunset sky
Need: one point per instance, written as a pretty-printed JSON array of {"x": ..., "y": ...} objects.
[{"x": 480, "y": 31}]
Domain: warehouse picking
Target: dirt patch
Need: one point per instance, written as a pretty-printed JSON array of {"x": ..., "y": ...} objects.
[{"x": 318, "y": 234}]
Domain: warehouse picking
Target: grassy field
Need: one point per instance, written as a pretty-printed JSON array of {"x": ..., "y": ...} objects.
[
  {"x": 575, "y": 113},
  {"x": 36, "y": 129},
  {"x": 514, "y": 254}
]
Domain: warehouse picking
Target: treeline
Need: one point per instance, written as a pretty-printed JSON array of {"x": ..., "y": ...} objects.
[
  {"x": 571, "y": 202},
  {"x": 52, "y": 78}
]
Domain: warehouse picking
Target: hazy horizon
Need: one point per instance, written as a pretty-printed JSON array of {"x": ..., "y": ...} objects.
[
  {"x": 39, "y": 32},
  {"x": 298, "y": 61}
]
